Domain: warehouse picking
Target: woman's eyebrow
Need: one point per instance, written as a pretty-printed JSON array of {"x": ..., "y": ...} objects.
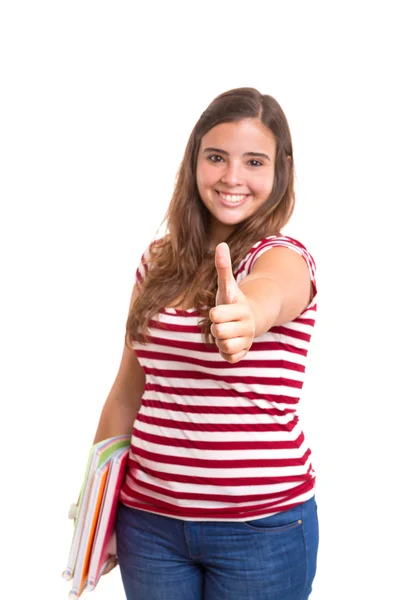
[
  {"x": 258, "y": 154},
  {"x": 216, "y": 150},
  {"x": 253, "y": 154}
]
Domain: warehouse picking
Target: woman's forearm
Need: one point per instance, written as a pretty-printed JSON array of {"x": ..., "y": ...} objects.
[
  {"x": 265, "y": 301},
  {"x": 122, "y": 405},
  {"x": 116, "y": 419},
  {"x": 124, "y": 400}
]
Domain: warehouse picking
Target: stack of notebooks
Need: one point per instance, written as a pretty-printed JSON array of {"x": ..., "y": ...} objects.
[{"x": 93, "y": 540}]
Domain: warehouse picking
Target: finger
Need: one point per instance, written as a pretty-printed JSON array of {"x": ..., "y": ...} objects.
[
  {"x": 233, "y": 345},
  {"x": 234, "y": 358},
  {"x": 226, "y": 280},
  {"x": 229, "y": 312},
  {"x": 233, "y": 329},
  {"x": 111, "y": 564}
]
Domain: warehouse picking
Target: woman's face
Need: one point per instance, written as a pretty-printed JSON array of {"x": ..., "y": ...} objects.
[{"x": 235, "y": 172}]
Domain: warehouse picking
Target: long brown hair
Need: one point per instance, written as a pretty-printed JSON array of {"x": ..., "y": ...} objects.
[{"x": 179, "y": 266}]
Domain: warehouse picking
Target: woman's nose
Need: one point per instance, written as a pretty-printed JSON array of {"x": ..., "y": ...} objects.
[{"x": 232, "y": 174}]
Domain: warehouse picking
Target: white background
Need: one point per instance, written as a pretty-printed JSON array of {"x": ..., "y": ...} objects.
[{"x": 97, "y": 101}]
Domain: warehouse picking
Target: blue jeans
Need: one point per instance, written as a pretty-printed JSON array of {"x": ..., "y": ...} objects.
[{"x": 273, "y": 558}]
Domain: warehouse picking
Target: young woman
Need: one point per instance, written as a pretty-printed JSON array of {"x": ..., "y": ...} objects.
[{"x": 218, "y": 501}]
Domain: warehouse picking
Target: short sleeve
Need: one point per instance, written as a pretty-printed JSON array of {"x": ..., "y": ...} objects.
[
  {"x": 142, "y": 268},
  {"x": 278, "y": 241},
  {"x": 144, "y": 265}
]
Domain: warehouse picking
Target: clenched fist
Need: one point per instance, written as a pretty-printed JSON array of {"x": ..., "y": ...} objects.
[{"x": 233, "y": 325}]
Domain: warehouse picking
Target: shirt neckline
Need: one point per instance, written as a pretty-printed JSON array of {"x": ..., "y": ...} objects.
[{"x": 177, "y": 311}]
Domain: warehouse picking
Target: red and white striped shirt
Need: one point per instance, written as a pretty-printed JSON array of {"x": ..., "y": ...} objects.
[{"x": 215, "y": 440}]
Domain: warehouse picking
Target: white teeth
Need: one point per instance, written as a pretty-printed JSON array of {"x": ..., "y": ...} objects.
[{"x": 232, "y": 197}]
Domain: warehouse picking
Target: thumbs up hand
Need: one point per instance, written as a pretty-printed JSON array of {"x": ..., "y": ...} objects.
[{"x": 233, "y": 324}]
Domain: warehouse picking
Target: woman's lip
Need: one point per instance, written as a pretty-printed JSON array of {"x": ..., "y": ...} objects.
[{"x": 232, "y": 193}]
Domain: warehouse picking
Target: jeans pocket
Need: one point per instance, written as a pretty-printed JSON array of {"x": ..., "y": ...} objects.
[{"x": 282, "y": 521}]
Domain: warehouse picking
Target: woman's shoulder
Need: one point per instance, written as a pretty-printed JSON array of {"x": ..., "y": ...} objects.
[
  {"x": 278, "y": 240},
  {"x": 275, "y": 241},
  {"x": 155, "y": 246}
]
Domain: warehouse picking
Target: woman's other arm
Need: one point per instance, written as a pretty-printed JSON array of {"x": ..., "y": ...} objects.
[
  {"x": 277, "y": 290},
  {"x": 123, "y": 401}
]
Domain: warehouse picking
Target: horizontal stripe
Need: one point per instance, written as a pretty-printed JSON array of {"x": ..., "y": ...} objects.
[
  {"x": 227, "y": 498},
  {"x": 200, "y": 479},
  {"x": 203, "y": 388},
  {"x": 221, "y": 456},
  {"x": 181, "y": 328},
  {"x": 213, "y": 473},
  {"x": 204, "y": 503},
  {"x": 211, "y": 392},
  {"x": 243, "y": 366},
  {"x": 204, "y": 463},
  {"x": 218, "y": 416},
  {"x": 267, "y": 405},
  {"x": 203, "y": 490},
  {"x": 202, "y": 348},
  {"x": 299, "y": 335},
  {"x": 205, "y": 426},
  {"x": 207, "y": 409},
  {"x": 216, "y": 436},
  {"x": 303, "y": 321},
  {"x": 169, "y": 373},
  {"x": 225, "y": 512},
  {"x": 169, "y": 329},
  {"x": 220, "y": 445}
]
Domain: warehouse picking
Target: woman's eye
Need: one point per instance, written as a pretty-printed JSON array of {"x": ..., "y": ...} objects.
[
  {"x": 255, "y": 163},
  {"x": 215, "y": 158}
]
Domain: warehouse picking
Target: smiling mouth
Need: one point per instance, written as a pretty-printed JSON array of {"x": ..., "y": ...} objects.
[{"x": 233, "y": 198}]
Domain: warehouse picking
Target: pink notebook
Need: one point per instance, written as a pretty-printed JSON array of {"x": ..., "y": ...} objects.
[{"x": 104, "y": 542}]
